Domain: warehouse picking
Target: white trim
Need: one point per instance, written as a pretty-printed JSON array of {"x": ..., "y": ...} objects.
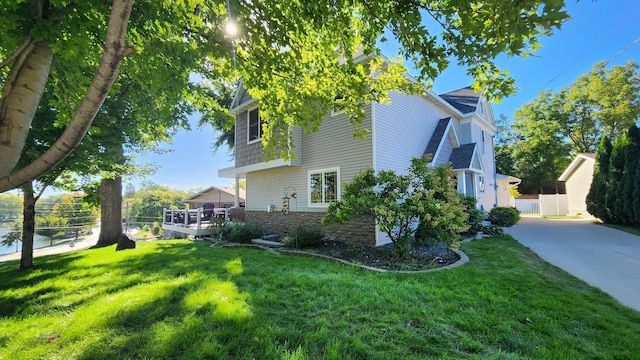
[
  {"x": 574, "y": 164},
  {"x": 373, "y": 138},
  {"x": 231, "y": 172},
  {"x": 336, "y": 113},
  {"x": 323, "y": 171},
  {"x": 447, "y": 130},
  {"x": 259, "y": 139}
]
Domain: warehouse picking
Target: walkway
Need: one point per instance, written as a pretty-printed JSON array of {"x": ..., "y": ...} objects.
[{"x": 603, "y": 257}]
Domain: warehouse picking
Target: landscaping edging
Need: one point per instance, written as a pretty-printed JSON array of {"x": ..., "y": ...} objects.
[{"x": 463, "y": 259}]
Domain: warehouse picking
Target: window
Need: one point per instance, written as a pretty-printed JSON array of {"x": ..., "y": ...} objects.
[
  {"x": 484, "y": 144},
  {"x": 481, "y": 183},
  {"x": 254, "y": 128},
  {"x": 323, "y": 187},
  {"x": 338, "y": 106}
]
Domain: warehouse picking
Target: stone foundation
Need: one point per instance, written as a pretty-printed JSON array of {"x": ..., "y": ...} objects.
[{"x": 360, "y": 231}]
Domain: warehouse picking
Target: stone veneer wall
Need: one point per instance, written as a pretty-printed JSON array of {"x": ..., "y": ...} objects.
[{"x": 360, "y": 232}]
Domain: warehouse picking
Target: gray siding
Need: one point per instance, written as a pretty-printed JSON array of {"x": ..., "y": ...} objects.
[
  {"x": 249, "y": 154},
  {"x": 332, "y": 146},
  {"x": 403, "y": 129},
  {"x": 465, "y": 134},
  {"x": 445, "y": 151},
  {"x": 246, "y": 154}
]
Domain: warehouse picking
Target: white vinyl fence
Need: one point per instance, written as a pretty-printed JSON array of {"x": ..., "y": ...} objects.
[
  {"x": 554, "y": 204},
  {"x": 528, "y": 206}
]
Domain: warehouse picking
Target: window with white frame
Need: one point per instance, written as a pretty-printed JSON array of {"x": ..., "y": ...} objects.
[
  {"x": 481, "y": 183},
  {"x": 254, "y": 126},
  {"x": 324, "y": 187}
]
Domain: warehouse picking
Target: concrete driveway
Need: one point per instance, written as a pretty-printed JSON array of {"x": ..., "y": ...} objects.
[{"x": 603, "y": 257}]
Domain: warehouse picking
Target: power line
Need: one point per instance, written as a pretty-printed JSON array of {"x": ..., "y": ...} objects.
[{"x": 602, "y": 39}]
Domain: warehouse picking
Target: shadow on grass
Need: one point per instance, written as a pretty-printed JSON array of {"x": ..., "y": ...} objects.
[{"x": 179, "y": 299}]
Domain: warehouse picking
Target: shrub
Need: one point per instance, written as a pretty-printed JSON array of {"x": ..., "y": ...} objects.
[
  {"x": 492, "y": 230},
  {"x": 240, "y": 233},
  {"x": 146, "y": 227},
  {"x": 305, "y": 235},
  {"x": 156, "y": 229},
  {"x": 503, "y": 216},
  {"x": 475, "y": 215},
  {"x": 424, "y": 196}
]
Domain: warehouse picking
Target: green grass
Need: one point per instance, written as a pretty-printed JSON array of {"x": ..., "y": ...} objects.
[
  {"x": 184, "y": 300},
  {"x": 628, "y": 229}
]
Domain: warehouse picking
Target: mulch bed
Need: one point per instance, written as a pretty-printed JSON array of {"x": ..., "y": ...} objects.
[{"x": 384, "y": 257}]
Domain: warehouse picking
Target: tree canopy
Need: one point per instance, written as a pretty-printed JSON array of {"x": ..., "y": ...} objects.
[
  {"x": 295, "y": 57},
  {"x": 551, "y": 129}
]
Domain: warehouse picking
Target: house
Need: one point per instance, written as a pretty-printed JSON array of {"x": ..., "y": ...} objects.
[
  {"x": 455, "y": 127},
  {"x": 216, "y": 197},
  {"x": 577, "y": 178},
  {"x": 503, "y": 193},
  {"x": 204, "y": 209}
]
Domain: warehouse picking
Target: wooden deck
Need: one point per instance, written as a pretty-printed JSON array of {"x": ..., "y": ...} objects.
[{"x": 195, "y": 222}]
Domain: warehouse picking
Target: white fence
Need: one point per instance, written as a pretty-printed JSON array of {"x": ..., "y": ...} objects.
[
  {"x": 528, "y": 206},
  {"x": 555, "y": 204}
]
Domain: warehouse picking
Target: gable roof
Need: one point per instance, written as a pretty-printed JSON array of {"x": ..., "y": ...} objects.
[
  {"x": 576, "y": 163},
  {"x": 225, "y": 189},
  {"x": 465, "y": 99},
  {"x": 436, "y": 138},
  {"x": 465, "y": 157}
]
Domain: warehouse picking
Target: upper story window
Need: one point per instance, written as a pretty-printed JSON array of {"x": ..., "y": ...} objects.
[
  {"x": 484, "y": 143},
  {"x": 254, "y": 127},
  {"x": 481, "y": 183},
  {"x": 338, "y": 107},
  {"x": 323, "y": 187}
]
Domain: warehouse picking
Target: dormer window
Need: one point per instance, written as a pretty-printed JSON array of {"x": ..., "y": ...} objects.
[
  {"x": 254, "y": 126},
  {"x": 481, "y": 108}
]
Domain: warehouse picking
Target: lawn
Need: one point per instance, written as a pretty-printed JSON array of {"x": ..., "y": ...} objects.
[{"x": 181, "y": 299}]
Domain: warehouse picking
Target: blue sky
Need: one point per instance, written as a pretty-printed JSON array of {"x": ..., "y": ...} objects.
[{"x": 597, "y": 31}]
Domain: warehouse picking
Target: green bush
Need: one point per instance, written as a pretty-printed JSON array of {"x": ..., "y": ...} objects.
[
  {"x": 492, "y": 230},
  {"x": 503, "y": 216},
  {"x": 240, "y": 233},
  {"x": 156, "y": 229},
  {"x": 475, "y": 215},
  {"x": 146, "y": 227},
  {"x": 305, "y": 235}
]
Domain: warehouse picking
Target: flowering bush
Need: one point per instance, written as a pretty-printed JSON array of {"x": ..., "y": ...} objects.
[{"x": 503, "y": 216}]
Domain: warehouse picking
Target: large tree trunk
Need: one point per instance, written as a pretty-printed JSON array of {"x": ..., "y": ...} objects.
[
  {"x": 28, "y": 226},
  {"x": 114, "y": 51},
  {"x": 20, "y": 98},
  {"x": 110, "y": 193}
]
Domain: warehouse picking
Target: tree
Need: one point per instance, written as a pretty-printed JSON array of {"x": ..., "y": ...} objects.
[
  {"x": 10, "y": 207},
  {"x": 596, "y": 198},
  {"x": 152, "y": 199},
  {"x": 614, "y": 197},
  {"x": 629, "y": 178},
  {"x": 541, "y": 152},
  {"x": 286, "y": 55},
  {"x": 220, "y": 93},
  {"x": 424, "y": 196}
]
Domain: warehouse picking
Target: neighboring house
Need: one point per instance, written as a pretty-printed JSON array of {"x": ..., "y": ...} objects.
[
  {"x": 455, "y": 127},
  {"x": 216, "y": 197},
  {"x": 578, "y": 177},
  {"x": 503, "y": 185}
]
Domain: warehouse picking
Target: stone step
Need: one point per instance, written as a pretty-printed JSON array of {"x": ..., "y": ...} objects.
[{"x": 264, "y": 242}]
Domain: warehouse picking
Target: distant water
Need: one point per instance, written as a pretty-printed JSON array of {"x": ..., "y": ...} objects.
[{"x": 38, "y": 242}]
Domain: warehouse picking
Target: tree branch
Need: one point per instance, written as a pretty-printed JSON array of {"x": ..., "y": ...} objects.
[
  {"x": 114, "y": 51},
  {"x": 15, "y": 54}
]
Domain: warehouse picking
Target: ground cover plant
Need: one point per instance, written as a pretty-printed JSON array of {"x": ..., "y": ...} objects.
[{"x": 185, "y": 300}]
